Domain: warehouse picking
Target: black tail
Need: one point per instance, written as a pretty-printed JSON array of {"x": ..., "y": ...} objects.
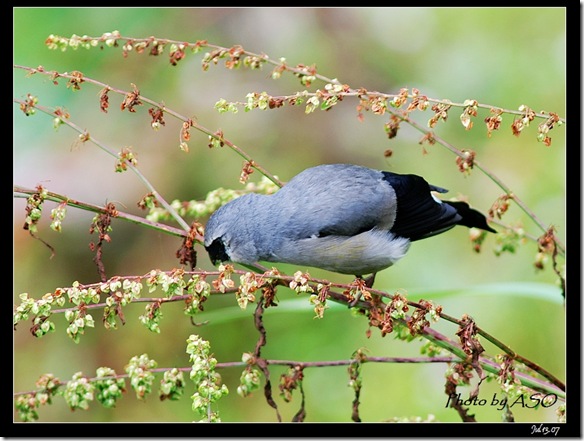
[
  {"x": 470, "y": 218},
  {"x": 419, "y": 215}
]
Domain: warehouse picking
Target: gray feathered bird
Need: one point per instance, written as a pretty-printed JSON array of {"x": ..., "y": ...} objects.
[{"x": 343, "y": 218}]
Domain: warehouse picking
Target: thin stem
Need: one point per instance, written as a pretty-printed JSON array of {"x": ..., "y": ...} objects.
[
  {"x": 427, "y": 332},
  {"x": 490, "y": 174},
  {"x": 489, "y": 365},
  {"x": 236, "y": 52},
  {"x": 21, "y": 192},
  {"x": 166, "y": 110},
  {"x": 86, "y": 137}
]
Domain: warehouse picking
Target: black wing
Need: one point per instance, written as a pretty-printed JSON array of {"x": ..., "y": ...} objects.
[{"x": 419, "y": 215}]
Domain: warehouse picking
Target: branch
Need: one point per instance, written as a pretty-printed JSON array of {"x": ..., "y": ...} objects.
[
  {"x": 22, "y": 192},
  {"x": 136, "y": 99},
  {"x": 174, "y": 283}
]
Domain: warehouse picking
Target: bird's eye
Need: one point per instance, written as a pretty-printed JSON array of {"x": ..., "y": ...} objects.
[{"x": 217, "y": 251}]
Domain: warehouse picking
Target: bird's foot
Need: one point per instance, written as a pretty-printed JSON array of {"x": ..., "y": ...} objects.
[
  {"x": 367, "y": 283},
  {"x": 370, "y": 280},
  {"x": 353, "y": 302}
]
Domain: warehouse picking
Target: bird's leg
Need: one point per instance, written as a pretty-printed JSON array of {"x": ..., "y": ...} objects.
[{"x": 368, "y": 282}]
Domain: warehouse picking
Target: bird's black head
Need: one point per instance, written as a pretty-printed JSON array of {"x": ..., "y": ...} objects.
[{"x": 217, "y": 252}]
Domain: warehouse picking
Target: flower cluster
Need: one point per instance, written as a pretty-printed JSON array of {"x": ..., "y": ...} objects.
[
  {"x": 544, "y": 128},
  {"x": 28, "y": 106},
  {"x": 250, "y": 378},
  {"x": 290, "y": 380},
  {"x": 151, "y": 317},
  {"x": 249, "y": 283},
  {"x": 385, "y": 317},
  {"x": 41, "y": 310},
  {"x": 172, "y": 283},
  {"x": 122, "y": 293},
  {"x": 418, "y": 320},
  {"x": 55, "y": 42},
  {"x": 199, "y": 290},
  {"x": 108, "y": 388},
  {"x": 27, "y": 404},
  {"x": 125, "y": 157},
  {"x": 440, "y": 113},
  {"x": 519, "y": 124},
  {"x": 319, "y": 300},
  {"x": 208, "y": 387},
  {"x": 193, "y": 208},
  {"x": 300, "y": 283},
  {"x": 470, "y": 110},
  {"x": 355, "y": 379},
  {"x": 79, "y": 391},
  {"x": 57, "y": 215},
  {"x": 172, "y": 385},
  {"x": 493, "y": 122},
  {"x": 141, "y": 376},
  {"x": 78, "y": 320},
  {"x": 223, "y": 282},
  {"x": 508, "y": 240},
  {"x": 465, "y": 162},
  {"x": 34, "y": 209}
]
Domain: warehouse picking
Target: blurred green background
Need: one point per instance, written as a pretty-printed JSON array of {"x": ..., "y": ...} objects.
[{"x": 504, "y": 57}]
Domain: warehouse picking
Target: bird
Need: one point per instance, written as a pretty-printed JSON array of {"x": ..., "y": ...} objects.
[{"x": 344, "y": 218}]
